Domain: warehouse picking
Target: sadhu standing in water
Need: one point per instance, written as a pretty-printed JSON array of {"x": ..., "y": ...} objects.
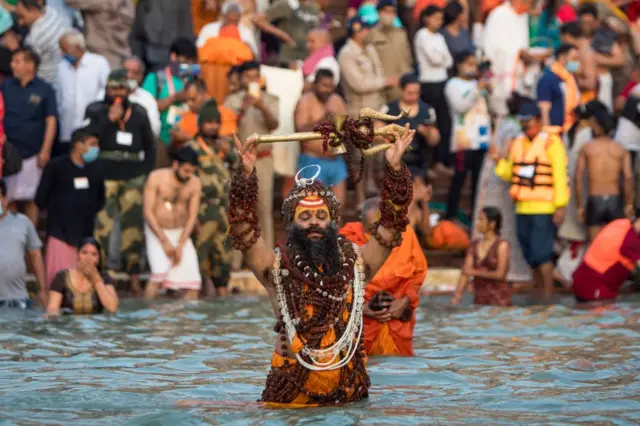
[
  {"x": 392, "y": 295},
  {"x": 316, "y": 279},
  {"x": 487, "y": 263}
]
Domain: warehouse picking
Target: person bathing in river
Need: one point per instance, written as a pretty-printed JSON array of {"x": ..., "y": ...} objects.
[
  {"x": 316, "y": 279},
  {"x": 609, "y": 261},
  {"x": 392, "y": 295},
  {"x": 83, "y": 289},
  {"x": 606, "y": 162},
  {"x": 171, "y": 203},
  {"x": 487, "y": 263}
]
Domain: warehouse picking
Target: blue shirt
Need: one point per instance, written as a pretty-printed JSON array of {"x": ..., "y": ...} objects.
[
  {"x": 26, "y": 109},
  {"x": 550, "y": 90}
]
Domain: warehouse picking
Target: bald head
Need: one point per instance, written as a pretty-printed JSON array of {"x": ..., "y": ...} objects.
[{"x": 317, "y": 39}]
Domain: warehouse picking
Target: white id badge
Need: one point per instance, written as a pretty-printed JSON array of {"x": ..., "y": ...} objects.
[
  {"x": 124, "y": 138},
  {"x": 81, "y": 183},
  {"x": 526, "y": 172}
]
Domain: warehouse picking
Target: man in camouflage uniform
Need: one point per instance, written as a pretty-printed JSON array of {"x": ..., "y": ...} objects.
[
  {"x": 217, "y": 159},
  {"x": 127, "y": 155}
]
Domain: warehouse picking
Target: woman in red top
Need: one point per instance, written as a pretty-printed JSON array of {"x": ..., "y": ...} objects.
[
  {"x": 487, "y": 263},
  {"x": 609, "y": 261}
]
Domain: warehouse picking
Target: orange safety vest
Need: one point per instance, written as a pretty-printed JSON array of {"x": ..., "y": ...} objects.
[
  {"x": 604, "y": 251},
  {"x": 532, "y": 175}
]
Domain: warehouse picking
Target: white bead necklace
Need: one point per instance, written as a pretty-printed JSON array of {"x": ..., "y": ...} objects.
[{"x": 347, "y": 341}]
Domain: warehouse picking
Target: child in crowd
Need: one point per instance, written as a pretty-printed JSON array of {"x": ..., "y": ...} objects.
[{"x": 486, "y": 263}]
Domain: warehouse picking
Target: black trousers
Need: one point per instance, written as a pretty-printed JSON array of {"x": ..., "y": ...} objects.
[
  {"x": 433, "y": 94},
  {"x": 464, "y": 163}
]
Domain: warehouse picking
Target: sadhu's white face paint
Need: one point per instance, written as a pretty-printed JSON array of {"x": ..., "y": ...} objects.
[{"x": 311, "y": 207}]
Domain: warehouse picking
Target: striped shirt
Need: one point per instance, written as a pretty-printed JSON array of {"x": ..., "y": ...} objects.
[{"x": 43, "y": 37}]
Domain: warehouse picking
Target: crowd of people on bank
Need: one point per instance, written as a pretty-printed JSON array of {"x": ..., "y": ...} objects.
[{"x": 117, "y": 121}]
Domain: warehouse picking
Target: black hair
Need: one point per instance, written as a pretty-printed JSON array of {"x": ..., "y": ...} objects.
[
  {"x": 452, "y": 11},
  {"x": 233, "y": 70},
  {"x": 572, "y": 28},
  {"x": 588, "y": 9},
  {"x": 565, "y": 49},
  {"x": 32, "y": 4},
  {"x": 604, "y": 120},
  {"x": 80, "y": 136},
  {"x": 98, "y": 246},
  {"x": 493, "y": 215},
  {"x": 407, "y": 79},
  {"x": 323, "y": 73},
  {"x": 182, "y": 46},
  {"x": 461, "y": 57},
  {"x": 3, "y": 187},
  {"x": 198, "y": 83},
  {"x": 513, "y": 103},
  {"x": 29, "y": 54},
  {"x": 427, "y": 12},
  {"x": 186, "y": 155},
  {"x": 249, "y": 65}
]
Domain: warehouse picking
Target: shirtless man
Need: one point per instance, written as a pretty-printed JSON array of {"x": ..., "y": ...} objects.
[
  {"x": 314, "y": 106},
  {"x": 587, "y": 77},
  {"x": 605, "y": 162},
  {"x": 171, "y": 201}
]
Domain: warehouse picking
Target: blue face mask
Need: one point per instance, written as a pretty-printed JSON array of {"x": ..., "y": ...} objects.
[
  {"x": 91, "y": 155},
  {"x": 573, "y": 66},
  {"x": 69, "y": 58}
]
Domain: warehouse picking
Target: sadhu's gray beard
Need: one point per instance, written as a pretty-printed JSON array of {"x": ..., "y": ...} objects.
[{"x": 321, "y": 253}]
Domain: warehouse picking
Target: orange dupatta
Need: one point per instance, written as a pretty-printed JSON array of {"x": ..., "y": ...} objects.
[{"x": 571, "y": 93}]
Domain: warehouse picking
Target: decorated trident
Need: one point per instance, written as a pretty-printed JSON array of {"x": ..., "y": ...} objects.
[{"x": 342, "y": 132}]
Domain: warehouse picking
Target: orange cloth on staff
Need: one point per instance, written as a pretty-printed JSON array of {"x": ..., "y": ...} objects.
[
  {"x": 217, "y": 56},
  {"x": 317, "y": 381},
  {"x": 401, "y": 275},
  {"x": 228, "y": 122}
]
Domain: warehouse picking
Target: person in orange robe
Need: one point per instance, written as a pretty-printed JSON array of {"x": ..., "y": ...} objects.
[{"x": 390, "y": 331}]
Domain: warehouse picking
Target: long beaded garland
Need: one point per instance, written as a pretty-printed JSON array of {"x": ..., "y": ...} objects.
[{"x": 348, "y": 342}]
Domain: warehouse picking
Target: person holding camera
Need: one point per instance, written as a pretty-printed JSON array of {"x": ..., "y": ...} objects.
[
  {"x": 167, "y": 86},
  {"x": 393, "y": 294},
  {"x": 466, "y": 95},
  {"x": 422, "y": 117}
]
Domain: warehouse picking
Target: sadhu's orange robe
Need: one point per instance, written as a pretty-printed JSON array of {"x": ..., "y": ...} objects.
[
  {"x": 317, "y": 381},
  {"x": 401, "y": 275},
  {"x": 217, "y": 56}
]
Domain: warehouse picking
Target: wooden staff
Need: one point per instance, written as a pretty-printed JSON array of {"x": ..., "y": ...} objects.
[{"x": 389, "y": 132}]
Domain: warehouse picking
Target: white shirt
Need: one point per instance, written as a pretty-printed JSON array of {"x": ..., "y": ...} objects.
[
  {"x": 505, "y": 34},
  {"x": 433, "y": 56},
  {"x": 148, "y": 102},
  {"x": 76, "y": 88},
  {"x": 329, "y": 63},
  {"x": 213, "y": 30},
  {"x": 470, "y": 119}
]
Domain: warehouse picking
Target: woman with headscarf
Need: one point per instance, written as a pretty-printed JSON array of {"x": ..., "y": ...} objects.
[{"x": 83, "y": 289}]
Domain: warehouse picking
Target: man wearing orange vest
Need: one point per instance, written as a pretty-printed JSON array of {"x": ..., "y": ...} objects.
[
  {"x": 536, "y": 166},
  {"x": 609, "y": 261}
]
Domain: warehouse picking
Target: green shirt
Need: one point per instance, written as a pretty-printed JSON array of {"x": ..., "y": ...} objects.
[{"x": 150, "y": 84}]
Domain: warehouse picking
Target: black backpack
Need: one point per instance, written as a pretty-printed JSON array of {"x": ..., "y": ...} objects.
[{"x": 11, "y": 159}]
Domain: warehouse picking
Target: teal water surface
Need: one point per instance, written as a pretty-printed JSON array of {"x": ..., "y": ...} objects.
[{"x": 206, "y": 362}]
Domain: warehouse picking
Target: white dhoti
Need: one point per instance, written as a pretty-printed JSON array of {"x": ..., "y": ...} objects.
[
  {"x": 24, "y": 185},
  {"x": 183, "y": 276}
]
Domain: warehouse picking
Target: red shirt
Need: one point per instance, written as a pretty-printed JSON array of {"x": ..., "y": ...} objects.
[{"x": 589, "y": 284}]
